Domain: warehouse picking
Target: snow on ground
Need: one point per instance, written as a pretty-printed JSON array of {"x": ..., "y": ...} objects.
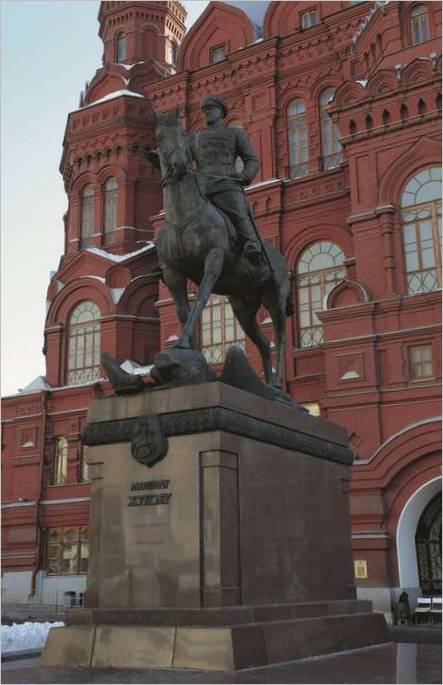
[{"x": 27, "y": 635}]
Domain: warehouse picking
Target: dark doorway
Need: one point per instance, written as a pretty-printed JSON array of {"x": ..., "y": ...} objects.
[{"x": 428, "y": 545}]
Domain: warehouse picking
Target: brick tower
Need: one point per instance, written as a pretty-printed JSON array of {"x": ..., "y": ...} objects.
[
  {"x": 111, "y": 187},
  {"x": 113, "y": 190},
  {"x": 142, "y": 31}
]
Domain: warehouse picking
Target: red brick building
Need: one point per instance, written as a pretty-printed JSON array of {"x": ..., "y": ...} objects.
[{"x": 342, "y": 102}]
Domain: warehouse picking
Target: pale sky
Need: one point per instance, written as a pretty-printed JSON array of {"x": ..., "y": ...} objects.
[{"x": 49, "y": 48}]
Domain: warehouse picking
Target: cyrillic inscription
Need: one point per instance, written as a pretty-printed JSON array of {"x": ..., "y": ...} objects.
[
  {"x": 145, "y": 500},
  {"x": 150, "y": 485},
  {"x": 149, "y": 500}
]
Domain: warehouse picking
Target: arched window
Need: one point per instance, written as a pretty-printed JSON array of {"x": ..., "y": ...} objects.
[
  {"x": 331, "y": 149},
  {"x": 298, "y": 139},
  {"x": 87, "y": 213},
  {"x": 110, "y": 208},
  {"x": 386, "y": 118},
  {"x": 60, "y": 466},
  {"x": 309, "y": 18},
  {"x": 428, "y": 546},
  {"x": 239, "y": 165},
  {"x": 84, "y": 344},
  {"x": 218, "y": 53},
  {"x": 122, "y": 44},
  {"x": 220, "y": 330},
  {"x": 421, "y": 219},
  {"x": 319, "y": 269},
  {"x": 419, "y": 24}
]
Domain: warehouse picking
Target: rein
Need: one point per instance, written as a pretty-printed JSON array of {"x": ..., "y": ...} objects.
[{"x": 167, "y": 177}]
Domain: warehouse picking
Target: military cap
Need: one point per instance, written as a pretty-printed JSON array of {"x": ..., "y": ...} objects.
[{"x": 215, "y": 100}]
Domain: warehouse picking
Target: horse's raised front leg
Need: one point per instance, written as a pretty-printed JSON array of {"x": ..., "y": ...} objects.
[
  {"x": 177, "y": 285},
  {"x": 213, "y": 267}
]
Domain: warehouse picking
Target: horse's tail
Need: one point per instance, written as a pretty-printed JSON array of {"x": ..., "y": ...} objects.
[{"x": 289, "y": 306}]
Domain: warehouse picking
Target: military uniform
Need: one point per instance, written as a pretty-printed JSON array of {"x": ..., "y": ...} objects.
[{"x": 215, "y": 150}]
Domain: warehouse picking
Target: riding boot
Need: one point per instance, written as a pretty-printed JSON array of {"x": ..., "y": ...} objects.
[{"x": 251, "y": 245}]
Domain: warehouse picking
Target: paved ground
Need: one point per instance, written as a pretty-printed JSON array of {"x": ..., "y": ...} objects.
[
  {"x": 421, "y": 634},
  {"x": 391, "y": 663}
]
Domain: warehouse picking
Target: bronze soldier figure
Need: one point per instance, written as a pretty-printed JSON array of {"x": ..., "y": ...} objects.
[{"x": 215, "y": 150}]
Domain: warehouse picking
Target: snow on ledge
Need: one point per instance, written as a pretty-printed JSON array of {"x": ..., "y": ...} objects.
[
  {"x": 350, "y": 375},
  {"x": 28, "y": 635},
  {"x": 119, "y": 257},
  {"x": 135, "y": 369},
  {"x": 112, "y": 96},
  {"x": 129, "y": 66},
  {"x": 97, "y": 278},
  {"x": 35, "y": 387},
  {"x": 39, "y": 383},
  {"x": 262, "y": 184}
]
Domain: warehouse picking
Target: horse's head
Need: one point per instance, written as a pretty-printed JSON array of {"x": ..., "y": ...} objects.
[{"x": 173, "y": 147}]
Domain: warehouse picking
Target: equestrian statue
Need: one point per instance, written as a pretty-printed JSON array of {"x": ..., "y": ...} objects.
[{"x": 209, "y": 235}]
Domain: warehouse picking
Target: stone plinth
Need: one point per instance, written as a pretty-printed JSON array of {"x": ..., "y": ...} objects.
[{"x": 233, "y": 550}]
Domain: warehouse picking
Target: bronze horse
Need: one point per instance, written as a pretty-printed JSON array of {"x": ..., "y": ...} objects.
[{"x": 198, "y": 243}]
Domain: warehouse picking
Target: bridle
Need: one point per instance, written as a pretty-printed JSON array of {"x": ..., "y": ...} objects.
[{"x": 166, "y": 178}]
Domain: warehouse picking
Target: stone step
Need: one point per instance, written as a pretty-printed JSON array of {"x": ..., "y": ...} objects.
[
  {"x": 220, "y": 648},
  {"x": 215, "y": 616},
  {"x": 301, "y": 638}
]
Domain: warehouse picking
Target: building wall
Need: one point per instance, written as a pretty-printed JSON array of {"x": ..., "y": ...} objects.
[{"x": 387, "y": 112}]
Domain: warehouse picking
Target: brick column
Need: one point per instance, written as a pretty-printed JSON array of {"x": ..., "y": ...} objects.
[{"x": 386, "y": 216}]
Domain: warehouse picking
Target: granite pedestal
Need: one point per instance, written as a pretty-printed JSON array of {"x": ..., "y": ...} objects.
[{"x": 233, "y": 550}]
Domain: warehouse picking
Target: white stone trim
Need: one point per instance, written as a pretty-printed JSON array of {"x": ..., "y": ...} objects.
[
  {"x": 65, "y": 500},
  {"x": 367, "y": 536}
]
